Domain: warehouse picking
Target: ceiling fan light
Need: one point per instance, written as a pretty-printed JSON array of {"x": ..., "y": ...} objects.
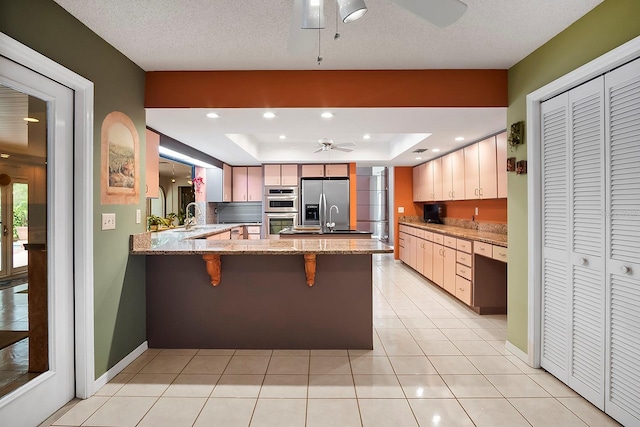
[
  {"x": 312, "y": 14},
  {"x": 351, "y": 10}
]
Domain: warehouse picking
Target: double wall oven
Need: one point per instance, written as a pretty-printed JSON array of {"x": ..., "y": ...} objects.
[{"x": 280, "y": 210}]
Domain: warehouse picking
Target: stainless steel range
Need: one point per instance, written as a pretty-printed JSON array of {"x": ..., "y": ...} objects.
[{"x": 281, "y": 210}]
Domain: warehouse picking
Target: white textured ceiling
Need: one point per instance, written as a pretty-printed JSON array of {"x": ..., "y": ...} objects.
[{"x": 253, "y": 35}]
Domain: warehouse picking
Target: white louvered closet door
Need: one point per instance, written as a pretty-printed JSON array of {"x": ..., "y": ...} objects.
[
  {"x": 555, "y": 237},
  {"x": 622, "y": 88},
  {"x": 586, "y": 234}
]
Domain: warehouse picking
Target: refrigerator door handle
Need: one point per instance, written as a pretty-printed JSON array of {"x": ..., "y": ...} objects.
[{"x": 324, "y": 210}]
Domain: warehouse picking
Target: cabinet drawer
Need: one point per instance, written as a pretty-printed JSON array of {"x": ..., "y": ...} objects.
[
  {"x": 253, "y": 237},
  {"x": 450, "y": 242},
  {"x": 464, "y": 271},
  {"x": 428, "y": 235},
  {"x": 253, "y": 229},
  {"x": 484, "y": 249},
  {"x": 464, "y": 258},
  {"x": 500, "y": 253},
  {"x": 418, "y": 232},
  {"x": 404, "y": 228},
  {"x": 438, "y": 238},
  {"x": 463, "y": 290},
  {"x": 464, "y": 245},
  {"x": 213, "y": 237}
]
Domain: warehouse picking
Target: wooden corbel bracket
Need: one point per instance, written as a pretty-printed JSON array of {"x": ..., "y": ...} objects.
[
  {"x": 213, "y": 267},
  {"x": 310, "y": 268}
]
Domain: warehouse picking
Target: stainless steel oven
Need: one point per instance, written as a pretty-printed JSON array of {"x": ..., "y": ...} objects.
[
  {"x": 281, "y": 199},
  {"x": 275, "y": 222}
]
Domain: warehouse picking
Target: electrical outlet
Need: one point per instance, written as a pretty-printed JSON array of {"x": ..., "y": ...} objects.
[
  {"x": 108, "y": 221},
  {"x": 400, "y": 209},
  {"x": 476, "y": 211},
  {"x": 138, "y": 216}
]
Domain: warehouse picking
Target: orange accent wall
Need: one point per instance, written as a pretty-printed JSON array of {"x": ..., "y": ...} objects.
[
  {"x": 492, "y": 210},
  {"x": 353, "y": 196},
  {"x": 326, "y": 88},
  {"x": 402, "y": 196}
]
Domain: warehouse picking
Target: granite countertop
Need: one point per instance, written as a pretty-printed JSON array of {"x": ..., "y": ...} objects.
[
  {"x": 182, "y": 242},
  {"x": 316, "y": 232},
  {"x": 463, "y": 233}
]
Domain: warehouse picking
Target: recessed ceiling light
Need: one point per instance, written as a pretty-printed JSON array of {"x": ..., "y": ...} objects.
[
  {"x": 326, "y": 115},
  {"x": 460, "y": 138},
  {"x": 269, "y": 115},
  {"x": 4, "y": 155},
  {"x": 283, "y": 137},
  {"x": 213, "y": 115},
  {"x": 436, "y": 150},
  {"x": 418, "y": 158},
  {"x": 367, "y": 136},
  {"x": 31, "y": 120}
]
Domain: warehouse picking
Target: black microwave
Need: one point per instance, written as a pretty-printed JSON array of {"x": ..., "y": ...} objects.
[{"x": 432, "y": 213}]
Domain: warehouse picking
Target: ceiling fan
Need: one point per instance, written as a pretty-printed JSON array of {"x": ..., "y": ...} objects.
[
  {"x": 328, "y": 144},
  {"x": 309, "y": 14}
]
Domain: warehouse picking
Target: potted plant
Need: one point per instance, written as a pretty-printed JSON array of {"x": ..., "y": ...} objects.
[
  {"x": 171, "y": 217},
  {"x": 154, "y": 221}
]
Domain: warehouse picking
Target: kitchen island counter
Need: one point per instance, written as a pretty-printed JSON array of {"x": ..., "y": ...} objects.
[{"x": 304, "y": 294}]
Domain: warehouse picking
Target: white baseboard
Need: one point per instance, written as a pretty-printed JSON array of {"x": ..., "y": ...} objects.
[
  {"x": 118, "y": 367},
  {"x": 517, "y": 352}
]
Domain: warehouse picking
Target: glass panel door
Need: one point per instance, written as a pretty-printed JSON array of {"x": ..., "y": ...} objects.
[{"x": 20, "y": 216}]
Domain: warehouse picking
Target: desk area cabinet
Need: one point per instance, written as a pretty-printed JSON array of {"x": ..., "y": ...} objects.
[{"x": 473, "y": 271}]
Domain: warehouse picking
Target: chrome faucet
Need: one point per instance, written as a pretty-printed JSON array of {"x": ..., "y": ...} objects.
[
  {"x": 193, "y": 220},
  {"x": 332, "y": 224}
]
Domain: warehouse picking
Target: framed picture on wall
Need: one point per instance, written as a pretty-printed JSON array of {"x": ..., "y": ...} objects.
[{"x": 120, "y": 160}]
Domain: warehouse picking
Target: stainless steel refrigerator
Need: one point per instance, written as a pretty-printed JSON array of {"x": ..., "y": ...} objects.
[{"x": 325, "y": 200}]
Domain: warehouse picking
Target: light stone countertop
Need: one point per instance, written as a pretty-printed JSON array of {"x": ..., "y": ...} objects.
[
  {"x": 463, "y": 233},
  {"x": 193, "y": 242}
]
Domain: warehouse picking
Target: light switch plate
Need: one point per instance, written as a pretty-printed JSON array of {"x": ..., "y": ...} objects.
[
  {"x": 108, "y": 221},
  {"x": 400, "y": 209},
  {"x": 138, "y": 216},
  {"x": 476, "y": 211}
]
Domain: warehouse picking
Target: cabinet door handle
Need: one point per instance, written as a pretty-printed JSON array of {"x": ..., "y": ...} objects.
[
  {"x": 461, "y": 289},
  {"x": 475, "y": 191},
  {"x": 625, "y": 269},
  {"x": 463, "y": 272}
]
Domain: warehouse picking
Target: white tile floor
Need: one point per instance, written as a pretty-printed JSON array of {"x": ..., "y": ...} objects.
[{"x": 434, "y": 363}]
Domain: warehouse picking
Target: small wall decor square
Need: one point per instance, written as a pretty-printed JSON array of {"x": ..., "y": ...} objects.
[
  {"x": 521, "y": 167},
  {"x": 120, "y": 161},
  {"x": 511, "y": 164}
]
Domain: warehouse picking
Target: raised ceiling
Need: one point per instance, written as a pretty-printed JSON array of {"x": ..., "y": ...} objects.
[{"x": 253, "y": 35}]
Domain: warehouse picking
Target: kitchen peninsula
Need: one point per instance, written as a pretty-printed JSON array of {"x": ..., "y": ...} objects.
[{"x": 276, "y": 294}]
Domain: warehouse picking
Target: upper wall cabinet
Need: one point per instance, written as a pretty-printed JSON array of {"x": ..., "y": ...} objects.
[
  {"x": 320, "y": 171},
  {"x": 340, "y": 170},
  {"x": 281, "y": 175},
  {"x": 152, "y": 164},
  {"x": 247, "y": 184},
  {"x": 419, "y": 183},
  {"x": 427, "y": 181},
  {"x": 480, "y": 172},
  {"x": 453, "y": 176},
  {"x": 501, "y": 157},
  {"x": 219, "y": 184}
]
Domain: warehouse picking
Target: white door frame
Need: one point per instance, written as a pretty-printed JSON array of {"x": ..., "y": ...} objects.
[
  {"x": 82, "y": 205},
  {"x": 610, "y": 60}
]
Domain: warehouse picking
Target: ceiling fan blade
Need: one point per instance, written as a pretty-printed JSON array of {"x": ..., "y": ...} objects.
[
  {"x": 439, "y": 12},
  {"x": 301, "y": 39},
  {"x": 345, "y": 144},
  {"x": 319, "y": 150},
  {"x": 346, "y": 150}
]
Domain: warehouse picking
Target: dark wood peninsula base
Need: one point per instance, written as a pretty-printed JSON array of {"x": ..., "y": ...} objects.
[{"x": 262, "y": 302}]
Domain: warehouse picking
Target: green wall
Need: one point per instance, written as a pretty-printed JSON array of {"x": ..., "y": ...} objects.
[
  {"x": 607, "y": 26},
  {"x": 119, "y": 280}
]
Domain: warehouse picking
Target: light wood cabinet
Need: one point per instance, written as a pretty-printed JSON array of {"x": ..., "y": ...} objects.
[
  {"x": 420, "y": 255},
  {"x": 403, "y": 247},
  {"x": 152, "y": 164},
  {"x": 419, "y": 183},
  {"x": 463, "y": 290},
  {"x": 312, "y": 171},
  {"x": 437, "y": 179},
  {"x": 428, "y": 259},
  {"x": 321, "y": 171},
  {"x": 457, "y": 172},
  {"x": 438, "y": 265},
  {"x": 227, "y": 178},
  {"x": 447, "y": 177},
  {"x": 480, "y": 172},
  {"x": 289, "y": 175},
  {"x": 337, "y": 170},
  {"x": 247, "y": 184},
  {"x": 281, "y": 175},
  {"x": 431, "y": 180},
  {"x": 449, "y": 270},
  {"x": 218, "y": 187},
  {"x": 501, "y": 164},
  {"x": 272, "y": 175}
]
